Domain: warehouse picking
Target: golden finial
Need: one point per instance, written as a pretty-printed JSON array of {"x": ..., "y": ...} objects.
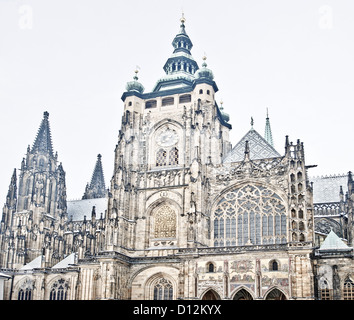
[
  {"x": 136, "y": 73},
  {"x": 183, "y": 19},
  {"x": 204, "y": 59}
]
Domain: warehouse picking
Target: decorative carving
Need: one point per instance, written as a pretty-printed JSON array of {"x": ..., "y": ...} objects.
[
  {"x": 263, "y": 168},
  {"x": 167, "y": 138}
]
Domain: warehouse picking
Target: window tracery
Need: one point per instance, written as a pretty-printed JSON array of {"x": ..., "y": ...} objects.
[
  {"x": 59, "y": 290},
  {"x": 25, "y": 291},
  {"x": 163, "y": 290},
  {"x": 250, "y": 215},
  {"x": 167, "y": 153},
  {"x": 165, "y": 223}
]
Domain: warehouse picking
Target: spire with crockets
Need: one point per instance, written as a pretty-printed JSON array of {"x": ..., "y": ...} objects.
[
  {"x": 97, "y": 187},
  {"x": 268, "y": 131},
  {"x": 43, "y": 141}
]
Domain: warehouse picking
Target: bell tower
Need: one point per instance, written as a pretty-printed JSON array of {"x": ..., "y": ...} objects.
[{"x": 168, "y": 138}]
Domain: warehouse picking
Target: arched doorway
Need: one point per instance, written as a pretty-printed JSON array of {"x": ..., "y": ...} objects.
[
  {"x": 211, "y": 295},
  {"x": 242, "y": 295},
  {"x": 275, "y": 294}
]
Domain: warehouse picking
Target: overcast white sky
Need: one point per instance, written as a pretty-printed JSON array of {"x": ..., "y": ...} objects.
[{"x": 74, "y": 58}]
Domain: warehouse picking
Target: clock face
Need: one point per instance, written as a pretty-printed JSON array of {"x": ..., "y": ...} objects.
[{"x": 167, "y": 138}]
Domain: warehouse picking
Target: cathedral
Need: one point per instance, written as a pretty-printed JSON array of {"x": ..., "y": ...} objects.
[{"x": 187, "y": 215}]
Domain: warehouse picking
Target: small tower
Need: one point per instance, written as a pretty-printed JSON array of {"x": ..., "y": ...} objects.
[
  {"x": 97, "y": 187},
  {"x": 42, "y": 179},
  {"x": 39, "y": 200}
]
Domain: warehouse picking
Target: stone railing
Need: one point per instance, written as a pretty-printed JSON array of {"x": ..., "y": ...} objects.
[{"x": 327, "y": 209}]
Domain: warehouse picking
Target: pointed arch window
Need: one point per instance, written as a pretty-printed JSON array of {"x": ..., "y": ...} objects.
[
  {"x": 250, "y": 215},
  {"x": 25, "y": 291},
  {"x": 348, "y": 290},
  {"x": 25, "y": 294},
  {"x": 163, "y": 290},
  {"x": 59, "y": 290}
]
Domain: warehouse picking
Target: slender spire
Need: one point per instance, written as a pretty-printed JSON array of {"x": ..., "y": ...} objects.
[
  {"x": 97, "y": 188},
  {"x": 43, "y": 141},
  {"x": 268, "y": 131}
]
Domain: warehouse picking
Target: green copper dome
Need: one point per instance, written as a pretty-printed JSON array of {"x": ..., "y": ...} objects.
[
  {"x": 225, "y": 116},
  {"x": 204, "y": 72},
  {"x": 135, "y": 85}
]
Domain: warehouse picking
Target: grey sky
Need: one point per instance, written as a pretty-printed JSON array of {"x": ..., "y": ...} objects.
[{"x": 74, "y": 58}]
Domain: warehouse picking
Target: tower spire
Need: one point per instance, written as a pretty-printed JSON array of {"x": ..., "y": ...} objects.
[
  {"x": 268, "y": 132},
  {"x": 181, "y": 61},
  {"x": 43, "y": 141},
  {"x": 97, "y": 188}
]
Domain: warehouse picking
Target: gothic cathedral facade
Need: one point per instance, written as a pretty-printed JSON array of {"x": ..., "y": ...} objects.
[{"x": 187, "y": 215}]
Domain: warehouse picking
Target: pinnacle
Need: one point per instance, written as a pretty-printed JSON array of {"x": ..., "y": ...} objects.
[
  {"x": 43, "y": 141},
  {"x": 97, "y": 188}
]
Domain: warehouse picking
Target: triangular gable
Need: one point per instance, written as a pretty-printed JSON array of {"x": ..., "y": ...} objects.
[
  {"x": 34, "y": 264},
  {"x": 259, "y": 148},
  {"x": 65, "y": 263},
  {"x": 333, "y": 242}
]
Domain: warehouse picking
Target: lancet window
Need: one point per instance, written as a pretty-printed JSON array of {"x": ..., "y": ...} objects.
[{"x": 250, "y": 215}]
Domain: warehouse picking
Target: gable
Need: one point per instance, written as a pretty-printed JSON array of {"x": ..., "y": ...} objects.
[{"x": 259, "y": 148}]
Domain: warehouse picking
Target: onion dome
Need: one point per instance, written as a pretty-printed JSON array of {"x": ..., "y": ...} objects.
[
  {"x": 224, "y": 115},
  {"x": 204, "y": 72},
  {"x": 135, "y": 85}
]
